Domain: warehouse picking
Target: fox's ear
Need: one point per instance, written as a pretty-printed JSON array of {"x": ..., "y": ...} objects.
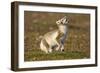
[
  {"x": 67, "y": 22},
  {"x": 65, "y": 17}
]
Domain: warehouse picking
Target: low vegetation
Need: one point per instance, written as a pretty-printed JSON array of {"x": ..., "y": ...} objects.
[{"x": 77, "y": 45}]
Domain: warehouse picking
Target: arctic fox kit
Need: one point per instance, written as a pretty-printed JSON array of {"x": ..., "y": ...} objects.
[{"x": 54, "y": 40}]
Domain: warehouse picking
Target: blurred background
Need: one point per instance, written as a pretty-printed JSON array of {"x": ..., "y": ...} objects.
[{"x": 77, "y": 44}]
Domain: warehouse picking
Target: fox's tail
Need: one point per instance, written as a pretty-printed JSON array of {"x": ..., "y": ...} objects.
[{"x": 42, "y": 46}]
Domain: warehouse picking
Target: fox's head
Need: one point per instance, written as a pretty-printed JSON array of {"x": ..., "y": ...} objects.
[{"x": 62, "y": 21}]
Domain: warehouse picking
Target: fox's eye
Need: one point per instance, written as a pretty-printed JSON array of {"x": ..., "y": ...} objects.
[{"x": 58, "y": 22}]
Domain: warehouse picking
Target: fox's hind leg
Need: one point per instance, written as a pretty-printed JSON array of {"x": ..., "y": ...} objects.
[
  {"x": 58, "y": 46},
  {"x": 50, "y": 49}
]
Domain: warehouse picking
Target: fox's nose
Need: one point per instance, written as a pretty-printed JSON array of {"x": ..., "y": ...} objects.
[{"x": 64, "y": 17}]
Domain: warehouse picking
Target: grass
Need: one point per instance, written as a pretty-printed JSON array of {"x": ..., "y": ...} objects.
[
  {"x": 39, "y": 55},
  {"x": 77, "y": 44}
]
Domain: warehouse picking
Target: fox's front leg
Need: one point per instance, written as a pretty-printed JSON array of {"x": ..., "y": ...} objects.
[
  {"x": 62, "y": 47},
  {"x": 62, "y": 40}
]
